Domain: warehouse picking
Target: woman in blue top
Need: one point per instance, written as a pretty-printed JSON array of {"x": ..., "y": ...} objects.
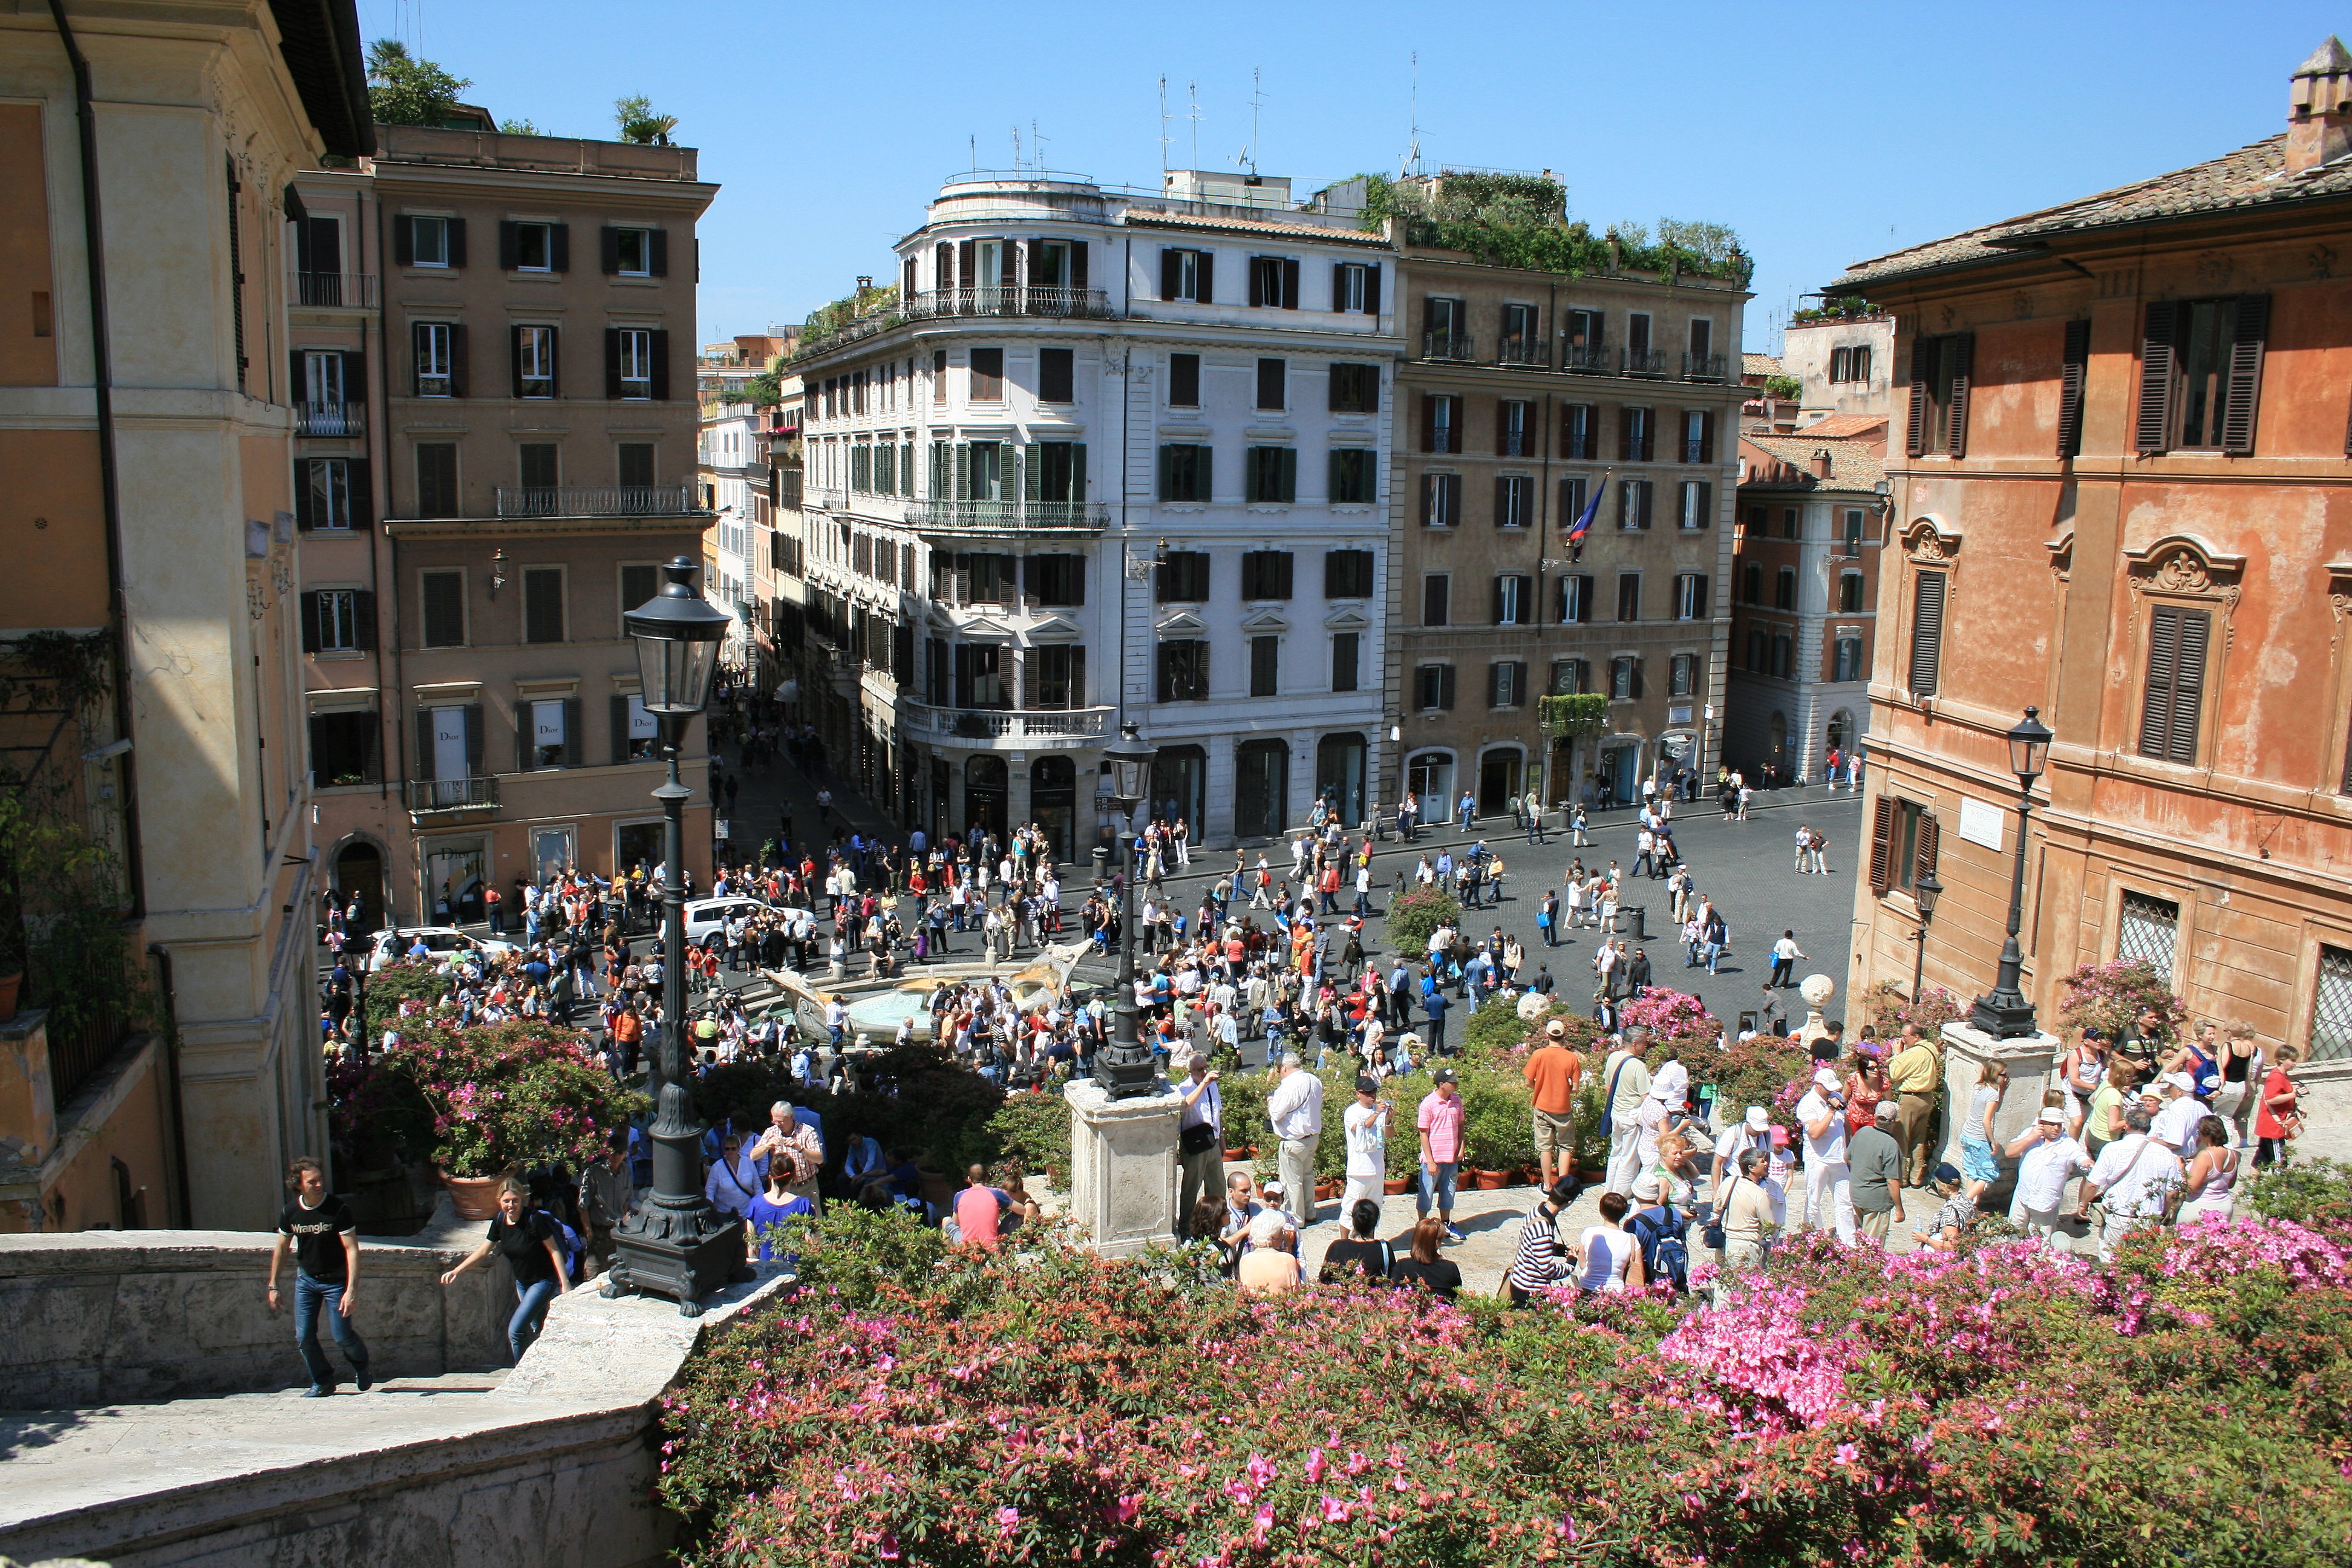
[{"x": 774, "y": 1208}]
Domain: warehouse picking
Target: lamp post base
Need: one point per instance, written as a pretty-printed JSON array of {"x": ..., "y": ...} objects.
[
  {"x": 2004, "y": 1016},
  {"x": 685, "y": 1252}
]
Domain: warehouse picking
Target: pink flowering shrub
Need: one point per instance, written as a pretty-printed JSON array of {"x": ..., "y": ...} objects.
[
  {"x": 479, "y": 1101},
  {"x": 2106, "y": 996},
  {"x": 1673, "y": 1018}
]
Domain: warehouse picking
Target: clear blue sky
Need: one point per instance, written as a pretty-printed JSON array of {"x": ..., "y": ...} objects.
[{"x": 1822, "y": 133}]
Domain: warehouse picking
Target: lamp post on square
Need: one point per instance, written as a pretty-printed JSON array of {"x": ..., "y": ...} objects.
[
  {"x": 1924, "y": 893},
  {"x": 2003, "y": 1013},
  {"x": 1124, "y": 1067}
]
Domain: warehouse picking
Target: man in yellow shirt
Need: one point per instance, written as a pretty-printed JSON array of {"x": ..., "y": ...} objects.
[{"x": 1917, "y": 1071}]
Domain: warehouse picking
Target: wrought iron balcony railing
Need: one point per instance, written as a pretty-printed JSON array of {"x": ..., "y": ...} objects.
[{"x": 593, "y": 501}]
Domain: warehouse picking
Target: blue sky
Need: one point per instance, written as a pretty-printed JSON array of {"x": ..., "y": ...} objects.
[{"x": 1822, "y": 133}]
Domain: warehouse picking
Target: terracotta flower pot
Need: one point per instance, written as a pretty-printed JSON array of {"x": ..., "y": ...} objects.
[
  {"x": 11, "y": 987},
  {"x": 1393, "y": 1185},
  {"x": 473, "y": 1198},
  {"x": 1326, "y": 1189},
  {"x": 1489, "y": 1181},
  {"x": 1235, "y": 1156}
]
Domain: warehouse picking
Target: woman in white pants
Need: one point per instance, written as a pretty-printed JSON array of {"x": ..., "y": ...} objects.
[{"x": 1366, "y": 1123}]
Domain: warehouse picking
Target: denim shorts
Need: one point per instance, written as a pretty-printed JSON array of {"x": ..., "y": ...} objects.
[{"x": 1977, "y": 1162}]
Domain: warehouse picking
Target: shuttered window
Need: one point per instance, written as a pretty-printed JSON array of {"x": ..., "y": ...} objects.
[
  {"x": 2073, "y": 371},
  {"x": 1926, "y": 633},
  {"x": 2174, "y": 697},
  {"x": 2201, "y": 374},
  {"x": 1904, "y": 839},
  {"x": 1940, "y": 369}
]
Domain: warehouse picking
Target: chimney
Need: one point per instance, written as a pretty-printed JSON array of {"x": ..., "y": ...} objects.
[
  {"x": 1822, "y": 463},
  {"x": 865, "y": 281},
  {"x": 2319, "y": 109}
]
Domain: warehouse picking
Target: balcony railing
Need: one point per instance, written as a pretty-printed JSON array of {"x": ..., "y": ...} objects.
[
  {"x": 443, "y": 797},
  {"x": 1447, "y": 345},
  {"x": 832, "y": 498},
  {"x": 79, "y": 1054},
  {"x": 1703, "y": 368},
  {"x": 1053, "y": 304},
  {"x": 1518, "y": 444},
  {"x": 331, "y": 419},
  {"x": 1644, "y": 362},
  {"x": 982, "y": 726},
  {"x": 593, "y": 501},
  {"x": 1697, "y": 452},
  {"x": 333, "y": 290},
  {"x": 1531, "y": 351},
  {"x": 1008, "y": 516},
  {"x": 1589, "y": 358}
]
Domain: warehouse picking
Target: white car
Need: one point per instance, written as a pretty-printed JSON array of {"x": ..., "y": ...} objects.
[
  {"x": 704, "y": 917},
  {"x": 392, "y": 946}
]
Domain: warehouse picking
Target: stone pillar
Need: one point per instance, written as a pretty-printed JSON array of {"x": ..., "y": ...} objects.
[
  {"x": 1817, "y": 990},
  {"x": 1123, "y": 1166},
  {"x": 2030, "y": 1059}
]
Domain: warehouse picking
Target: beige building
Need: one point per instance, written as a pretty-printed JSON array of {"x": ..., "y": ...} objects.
[
  {"x": 1522, "y": 393},
  {"x": 496, "y": 448},
  {"x": 146, "y": 416},
  {"x": 1844, "y": 354}
]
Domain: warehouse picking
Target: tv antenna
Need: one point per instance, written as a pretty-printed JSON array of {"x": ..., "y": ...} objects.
[
  {"x": 1037, "y": 145},
  {"x": 1410, "y": 162},
  {"x": 1163, "y": 131},
  {"x": 975, "y": 150},
  {"x": 1192, "y": 90},
  {"x": 1257, "y": 102}
]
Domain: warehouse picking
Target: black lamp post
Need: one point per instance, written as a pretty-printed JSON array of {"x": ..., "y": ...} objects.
[
  {"x": 675, "y": 1244},
  {"x": 2004, "y": 1013},
  {"x": 1924, "y": 893},
  {"x": 1124, "y": 1067}
]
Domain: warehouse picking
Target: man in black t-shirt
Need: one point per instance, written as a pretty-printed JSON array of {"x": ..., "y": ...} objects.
[{"x": 324, "y": 1238}]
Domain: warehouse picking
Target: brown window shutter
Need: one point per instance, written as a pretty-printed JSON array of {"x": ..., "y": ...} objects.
[
  {"x": 2189, "y": 686},
  {"x": 297, "y": 390},
  {"x": 514, "y": 359},
  {"x": 459, "y": 379},
  {"x": 1446, "y": 686},
  {"x": 1624, "y": 434},
  {"x": 1429, "y": 422},
  {"x": 363, "y": 619},
  {"x": 510, "y": 247},
  {"x": 404, "y": 243},
  {"x": 558, "y": 248},
  {"x": 1926, "y": 633},
  {"x": 1372, "y": 289},
  {"x": 355, "y": 375},
  {"x": 661, "y": 364},
  {"x": 659, "y": 239},
  {"x": 1208, "y": 265},
  {"x": 1078, "y": 263},
  {"x": 2155, "y": 693},
  {"x": 1637, "y": 677},
  {"x": 1963, "y": 352},
  {"x": 1706, "y": 435},
  {"x": 1339, "y": 285},
  {"x": 303, "y": 467},
  {"x": 457, "y": 243},
  {"x": 613, "y": 364},
  {"x": 2073, "y": 370},
  {"x": 1923, "y": 367},
  {"x": 423, "y": 762},
  {"x": 2245, "y": 374},
  {"x": 1289, "y": 283},
  {"x": 1502, "y": 429},
  {"x": 310, "y": 617},
  {"x": 608, "y": 249},
  {"x": 1882, "y": 840},
  {"x": 1168, "y": 265},
  {"x": 1036, "y": 248},
  {"x": 2152, "y": 423},
  {"x": 363, "y": 498},
  {"x": 1257, "y": 280},
  {"x": 1923, "y": 859},
  {"x": 619, "y": 707}
]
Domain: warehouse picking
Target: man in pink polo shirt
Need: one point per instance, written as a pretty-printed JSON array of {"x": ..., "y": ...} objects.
[{"x": 1440, "y": 1124}]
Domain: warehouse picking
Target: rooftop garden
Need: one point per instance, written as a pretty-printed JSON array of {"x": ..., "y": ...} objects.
[
  {"x": 861, "y": 313},
  {"x": 1521, "y": 220},
  {"x": 1844, "y": 308}
]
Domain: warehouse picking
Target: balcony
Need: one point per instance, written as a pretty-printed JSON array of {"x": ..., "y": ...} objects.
[
  {"x": 1448, "y": 346},
  {"x": 1698, "y": 451},
  {"x": 1588, "y": 358},
  {"x": 1643, "y": 361},
  {"x": 332, "y": 291},
  {"x": 1050, "y": 304},
  {"x": 1009, "y": 515},
  {"x": 1515, "y": 444},
  {"x": 827, "y": 498},
  {"x": 995, "y": 729},
  {"x": 435, "y": 799},
  {"x": 1703, "y": 368},
  {"x": 1533, "y": 352},
  {"x": 593, "y": 501},
  {"x": 341, "y": 419}
]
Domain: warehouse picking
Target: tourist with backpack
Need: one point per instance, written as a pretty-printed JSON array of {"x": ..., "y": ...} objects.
[{"x": 1659, "y": 1229}]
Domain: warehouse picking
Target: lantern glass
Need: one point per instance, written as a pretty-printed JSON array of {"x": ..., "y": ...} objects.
[
  {"x": 677, "y": 634},
  {"x": 2029, "y": 748}
]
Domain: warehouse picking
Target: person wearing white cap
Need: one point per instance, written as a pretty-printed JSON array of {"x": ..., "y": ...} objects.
[
  {"x": 1754, "y": 1132},
  {"x": 2047, "y": 1158},
  {"x": 2132, "y": 1178},
  {"x": 2177, "y": 1122},
  {"x": 1829, "y": 1191}
]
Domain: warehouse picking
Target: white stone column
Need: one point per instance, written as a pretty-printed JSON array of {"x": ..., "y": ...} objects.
[
  {"x": 2031, "y": 1060},
  {"x": 1123, "y": 1167}
]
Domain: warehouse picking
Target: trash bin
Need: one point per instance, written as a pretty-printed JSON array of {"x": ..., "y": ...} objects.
[{"x": 1631, "y": 922}]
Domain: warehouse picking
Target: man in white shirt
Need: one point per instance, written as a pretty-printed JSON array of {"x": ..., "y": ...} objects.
[
  {"x": 1203, "y": 1107},
  {"x": 1366, "y": 1125},
  {"x": 2047, "y": 1159},
  {"x": 2133, "y": 1177},
  {"x": 1296, "y": 1110},
  {"x": 1625, "y": 1084},
  {"x": 1829, "y": 1192},
  {"x": 2182, "y": 1114}
]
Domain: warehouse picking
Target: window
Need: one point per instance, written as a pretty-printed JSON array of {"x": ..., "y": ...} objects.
[
  {"x": 1188, "y": 276},
  {"x": 1850, "y": 364},
  {"x": 1444, "y": 330},
  {"x": 1348, "y": 574},
  {"x": 1522, "y": 334},
  {"x": 547, "y": 732},
  {"x": 2331, "y": 1006},
  {"x": 940, "y": 377},
  {"x": 2174, "y": 699},
  {"x": 1057, "y": 677},
  {"x": 1183, "y": 577},
  {"x": 1690, "y": 600},
  {"x": 436, "y": 478},
  {"x": 1355, "y": 389},
  {"x": 1347, "y": 656},
  {"x": 1699, "y": 436},
  {"x": 1637, "y": 338},
  {"x": 1433, "y": 686},
  {"x": 1636, "y": 435},
  {"x": 326, "y": 497},
  {"x": 532, "y": 246},
  {"x": 322, "y": 384},
  {"x": 1792, "y": 522},
  {"x": 534, "y": 361},
  {"x": 1624, "y": 679},
  {"x": 444, "y": 596},
  {"x": 1702, "y": 342},
  {"x": 987, "y": 376},
  {"x": 1757, "y": 519},
  {"x": 537, "y": 463},
  {"x": 1265, "y": 662},
  {"x": 1903, "y": 840},
  {"x": 1271, "y": 375},
  {"x": 542, "y": 603},
  {"x": 1575, "y": 599},
  {"x": 1583, "y": 350},
  {"x": 1355, "y": 476},
  {"x": 1849, "y": 593},
  {"x": 1056, "y": 582},
  {"x": 342, "y": 749},
  {"x": 1855, "y": 520},
  {"x": 633, "y": 252},
  {"x": 1926, "y": 632},
  {"x": 1185, "y": 473},
  {"x": 428, "y": 242},
  {"x": 1441, "y": 423},
  {"x": 639, "y": 583},
  {"x": 1514, "y": 431},
  {"x": 435, "y": 345},
  {"x": 2148, "y": 930},
  {"x": 1356, "y": 286},
  {"x": 1265, "y": 574},
  {"x": 1629, "y": 596},
  {"x": 1682, "y": 675},
  {"x": 1752, "y": 583},
  {"x": 2200, "y": 374},
  {"x": 1515, "y": 501},
  {"x": 635, "y": 346},
  {"x": 1570, "y": 677},
  {"x": 1697, "y": 507},
  {"x": 1270, "y": 474},
  {"x": 1274, "y": 282},
  {"x": 1939, "y": 395},
  {"x": 1183, "y": 672},
  {"x": 1578, "y": 426},
  {"x": 1440, "y": 500},
  {"x": 1784, "y": 589},
  {"x": 1507, "y": 683},
  {"x": 1846, "y": 659},
  {"x": 1759, "y": 659},
  {"x": 335, "y": 621},
  {"x": 1184, "y": 381},
  {"x": 1057, "y": 375},
  {"x": 1572, "y": 500},
  {"x": 1513, "y": 599},
  {"x": 1436, "y": 599},
  {"x": 1783, "y": 648},
  {"x": 1635, "y": 504}
]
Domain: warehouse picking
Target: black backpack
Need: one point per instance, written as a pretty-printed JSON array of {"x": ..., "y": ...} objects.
[{"x": 1664, "y": 1255}]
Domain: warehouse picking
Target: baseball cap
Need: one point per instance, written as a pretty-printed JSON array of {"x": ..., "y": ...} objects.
[
  {"x": 1758, "y": 1118},
  {"x": 1270, "y": 1188},
  {"x": 2053, "y": 1115},
  {"x": 1947, "y": 1173},
  {"x": 1885, "y": 1110},
  {"x": 1825, "y": 1079},
  {"x": 1366, "y": 1085},
  {"x": 1557, "y": 1028},
  {"x": 2179, "y": 1080},
  {"x": 1443, "y": 1075}
]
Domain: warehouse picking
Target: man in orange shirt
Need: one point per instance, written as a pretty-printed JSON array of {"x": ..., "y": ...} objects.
[{"x": 1552, "y": 1071}]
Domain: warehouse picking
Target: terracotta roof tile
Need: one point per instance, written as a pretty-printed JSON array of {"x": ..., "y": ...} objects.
[
  {"x": 1254, "y": 226},
  {"x": 1854, "y": 466},
  {"x": 1760, "y": 364},
  {"x": 1839, "y": 425}
]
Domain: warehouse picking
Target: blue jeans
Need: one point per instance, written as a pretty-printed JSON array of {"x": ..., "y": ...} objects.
[
  {"x": 310, "y": 1298},
  {"x": 1440, "y": 1190},
  {"x": 529, "y": 1316}
]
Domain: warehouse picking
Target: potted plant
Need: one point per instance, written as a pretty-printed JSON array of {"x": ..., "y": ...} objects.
[{"x": 1498, "y": 1126}]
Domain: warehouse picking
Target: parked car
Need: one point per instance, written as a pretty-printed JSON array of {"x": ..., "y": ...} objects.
[
  {"x": 391, "y": 946},
  {"x": 706, "y": 916}
]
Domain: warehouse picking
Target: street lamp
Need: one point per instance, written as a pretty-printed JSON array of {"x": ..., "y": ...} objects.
[
  {"x": 2004, "y": 1013},
  {"x": 1124, "y": 1067},
  {"x": 1924, "y": 893},
  {"x": 675, "y": 1244}
]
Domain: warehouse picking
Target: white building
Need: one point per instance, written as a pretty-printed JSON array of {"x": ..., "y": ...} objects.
[
  {"x": 735, "y": 487},
  {"x": 1109, "y": 452}
]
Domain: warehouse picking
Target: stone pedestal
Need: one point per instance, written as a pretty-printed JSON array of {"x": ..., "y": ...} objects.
[
  {"x": 1817, "y": 990},
  {"x": 1123, "y": 1168},
  {"x": 2030, "y": 1059}
]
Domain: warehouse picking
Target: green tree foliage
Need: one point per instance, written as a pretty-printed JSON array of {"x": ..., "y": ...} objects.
[
  {"x": 1787, "y": 388},
  {"x": 638, "y": 123},
  {"x": 519, "y": 128},
  {"x": 405, "y": 90},
  {"x": 1521, "y": 220}
]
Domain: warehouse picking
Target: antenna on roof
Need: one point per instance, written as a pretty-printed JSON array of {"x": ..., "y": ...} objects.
[
  {"x": 1016, "y": 147},
  {"x": 1037, "y": 145},
  {"x": 1257, "y": 101},
  {"x": 1192, "y": 90},
  {"x": 1163, "y": 131},
  {"x": 1410, "y": 162},
  {"x": 975, "y": 152}
]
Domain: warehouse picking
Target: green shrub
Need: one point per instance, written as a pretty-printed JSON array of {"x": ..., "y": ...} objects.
[
  {"x": 1418, "y": 912},
  {"x": 1032, "y": 1131},
  {"x": 2308, "y": 1192},
  {"x": 1497, "y": 1120}
]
